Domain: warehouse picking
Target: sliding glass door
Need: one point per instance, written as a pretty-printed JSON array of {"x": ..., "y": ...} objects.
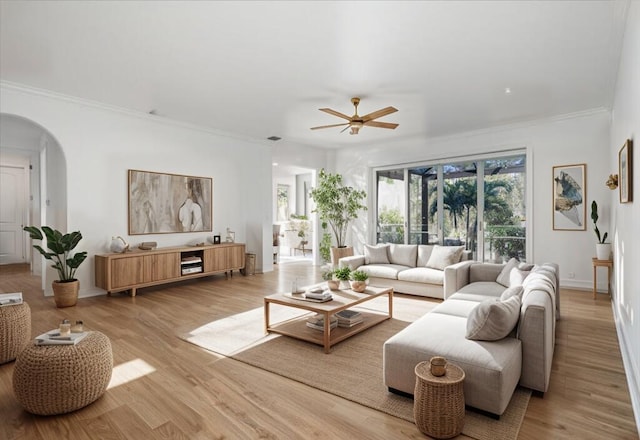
[
  {"x": 391, "y": 206},
  {"x": 478, "y": 204}
]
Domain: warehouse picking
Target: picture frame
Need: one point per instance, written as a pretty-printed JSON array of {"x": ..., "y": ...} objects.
[
  {"x": 216, "y": 239},
  {"x": 164, "y": 203},
  {"x": 569, "y": 206},
  {"x": 625, "y": 172},
  {"x": 282, "y": 203}
]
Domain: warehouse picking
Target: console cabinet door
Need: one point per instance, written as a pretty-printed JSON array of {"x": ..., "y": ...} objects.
[
  {"x": 126, "y": 272},
  {"x": 235, "y": 257},
  {"x": 161, "y": 266},
  {"x": 215, "y": 259}
]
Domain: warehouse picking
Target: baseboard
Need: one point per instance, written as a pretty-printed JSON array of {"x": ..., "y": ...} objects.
[{"x": 631, "y": 374}]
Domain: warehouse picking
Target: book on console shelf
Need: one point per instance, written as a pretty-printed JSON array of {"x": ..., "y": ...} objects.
[
  {"x": 53, "y": 337},
  {"x": 10, "y": 299}
]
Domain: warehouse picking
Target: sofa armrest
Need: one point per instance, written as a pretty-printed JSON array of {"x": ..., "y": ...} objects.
[
  {"x": 353, "y": 262},
  {"x": 456, "y": 276}
]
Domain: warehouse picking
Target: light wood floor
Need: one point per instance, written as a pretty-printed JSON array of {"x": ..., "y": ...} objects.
[{"x": 179, "y": 391}]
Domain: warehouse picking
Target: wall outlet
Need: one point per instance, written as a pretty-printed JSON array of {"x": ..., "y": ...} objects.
[{"x": 572, "y": 275}]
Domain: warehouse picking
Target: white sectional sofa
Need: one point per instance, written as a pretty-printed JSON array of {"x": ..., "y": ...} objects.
[
  {"x": 408, "y": 268},
  {"x": 493, "y": 367}
]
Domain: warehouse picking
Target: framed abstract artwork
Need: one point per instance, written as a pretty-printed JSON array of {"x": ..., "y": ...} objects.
[
  {"x": 161, "y": 203},
  {"x": 625, "y": 172},
  {"x": 569, "y": 195}
]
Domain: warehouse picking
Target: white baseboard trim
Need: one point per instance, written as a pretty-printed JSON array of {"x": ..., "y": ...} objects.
[
  {"x": 584, "y": 285},
  {"x": 632, "y": 375}
]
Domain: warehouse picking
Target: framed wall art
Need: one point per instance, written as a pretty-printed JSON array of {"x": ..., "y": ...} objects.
[
  {"x": 625, "y": 172},
  {"x": 161, "y": 203},
  {"x": 569, "y": 195}
]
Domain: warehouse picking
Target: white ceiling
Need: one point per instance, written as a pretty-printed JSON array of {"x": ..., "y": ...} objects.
[{"x": 258, "y": 69}]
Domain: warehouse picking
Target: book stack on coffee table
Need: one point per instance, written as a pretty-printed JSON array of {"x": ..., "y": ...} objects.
[{"x": 349, "y": 318}]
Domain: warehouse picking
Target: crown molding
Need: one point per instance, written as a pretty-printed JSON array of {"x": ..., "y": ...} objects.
[{"x": 9, "y": 85}]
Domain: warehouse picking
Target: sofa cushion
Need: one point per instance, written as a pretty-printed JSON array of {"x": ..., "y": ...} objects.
[
  {"x": 403, "y": 254},
  {"x": 455, "y": 307},
  {"x": 516, "y": 290},
  {"x": 517, "y": 276},
  {"x": 505, "y": 273},
  {"x": 422, "y": 275},
  {"x": 490, "y": 288},
  {"x": 376, "y": 254},
  {"x": 424, "y": 252},
  {"x": 472, "y": 297},
  {"x": 443, "y": 256},
  {"x": 389, "y": 271},
  {"x": 492, "y": 320}
]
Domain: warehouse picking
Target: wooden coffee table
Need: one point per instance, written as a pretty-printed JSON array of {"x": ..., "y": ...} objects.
[{"x": 342, "y": 300}]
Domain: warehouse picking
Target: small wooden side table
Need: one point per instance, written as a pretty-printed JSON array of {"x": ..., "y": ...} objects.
[
  {"x": 438, "y": 401},
  {"x": 601, "y": 263}
]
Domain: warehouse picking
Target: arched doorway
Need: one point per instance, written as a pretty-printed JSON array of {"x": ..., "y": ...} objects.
[{"x": 34, "y": 157}]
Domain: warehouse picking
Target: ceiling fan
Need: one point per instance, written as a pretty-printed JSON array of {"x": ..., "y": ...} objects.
[{"x": 356, "y": 122}]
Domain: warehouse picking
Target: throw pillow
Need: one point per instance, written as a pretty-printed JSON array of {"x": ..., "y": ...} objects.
[
  {"x": 403, "y": 254},
  {"x": 505, "y": 273},
  {"x": 376, "y": 254},
  {"x": 492, "y": 319},
  {"x": 526, "y": 266},
  {"x": 512, "y": 291},
  {"x": 517, "y": 276},
  {"x": 443, "y": 256}
]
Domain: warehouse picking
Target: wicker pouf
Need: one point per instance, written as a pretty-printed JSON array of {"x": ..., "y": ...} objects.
[
  {"x": 15, "y": 330},
  {"x": 438, "y": 406},
  {"x": 57, "y": 379}
]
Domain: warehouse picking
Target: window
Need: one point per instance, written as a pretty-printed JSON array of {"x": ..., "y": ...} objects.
[{"x": 476, "y": 203}]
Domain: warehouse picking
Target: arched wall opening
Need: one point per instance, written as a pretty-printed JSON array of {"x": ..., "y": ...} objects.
[{"x": 25, "y": 144}]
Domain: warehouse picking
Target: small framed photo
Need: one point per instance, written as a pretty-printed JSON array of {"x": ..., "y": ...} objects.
[
  {"x": 216, "y": 239},
  {"x": 569, "y": 195},
  {"x": 625, "y": 168}
]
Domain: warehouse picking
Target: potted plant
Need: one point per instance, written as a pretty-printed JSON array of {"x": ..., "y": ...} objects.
[
  {"x": 359, "y": 280},
  {"x": 337, "y": 206},
  {"x": 603, "y": 249},
  {"x": 65, "y": 289},
  {"x": 342, "y": 274},
  {"x": 332, "y": 283}
]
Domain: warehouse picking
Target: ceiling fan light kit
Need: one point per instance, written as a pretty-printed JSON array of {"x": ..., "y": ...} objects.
[{"x": 356, "y": 122}]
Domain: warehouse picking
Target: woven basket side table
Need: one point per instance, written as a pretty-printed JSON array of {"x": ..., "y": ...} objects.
[
  {"x": 15, "y": 330},
  {"x": 438, "y": 406},
  {"x": 57, "y": 379}
]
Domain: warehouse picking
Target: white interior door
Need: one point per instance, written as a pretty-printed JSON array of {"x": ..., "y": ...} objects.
[{"x": 12, "y": 214}]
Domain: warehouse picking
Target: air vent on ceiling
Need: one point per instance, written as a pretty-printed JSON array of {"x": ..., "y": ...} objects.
[{"x": 274, "y": 138}]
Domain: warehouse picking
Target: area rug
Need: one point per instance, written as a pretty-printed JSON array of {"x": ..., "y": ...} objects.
[{"x": 353, "y": 369}]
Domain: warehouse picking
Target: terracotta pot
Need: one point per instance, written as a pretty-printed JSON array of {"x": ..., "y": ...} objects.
[
  {"x": 333, "y": 284},
  {"x": 65, "y": 294},
  {"x": 358, "y": 286}
]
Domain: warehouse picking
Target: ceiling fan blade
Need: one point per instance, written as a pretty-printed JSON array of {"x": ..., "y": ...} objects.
[
  {"x": 329, "y": 126},
  {"x": 342, "y": 131},
  {"x": 335, "y": 113},
  {"x": 381, "y": 124},
  {"x": 379, "y": 113}
]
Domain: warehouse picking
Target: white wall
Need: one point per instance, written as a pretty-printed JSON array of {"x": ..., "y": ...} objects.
[
  {"x": 626, "y": 217},
  {"x": 100, "y": 144},
  {"x": 561, "y": 141}
]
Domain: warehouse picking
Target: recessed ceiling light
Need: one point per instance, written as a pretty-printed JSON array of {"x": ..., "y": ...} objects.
[
  {"x": 274, "y": 138},
  {"x": 507, "y": 91},
  {"x": 275, "y": 164}
]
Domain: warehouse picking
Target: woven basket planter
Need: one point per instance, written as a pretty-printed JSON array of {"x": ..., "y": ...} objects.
[
  {"x": 65, "y": 294},
  {"x": 57, "y": 379},
  {"x": 15, "y": 330}
]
